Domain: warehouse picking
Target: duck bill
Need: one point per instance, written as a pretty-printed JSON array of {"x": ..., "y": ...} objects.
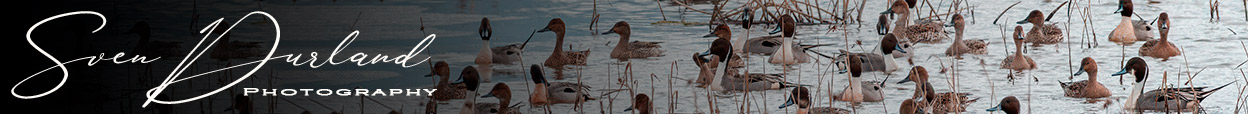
[
  {"x": 1120, "y": 72},
  {"x": 429, "y": 75},
  {"x": 1119, "y": 8},
  {"x": 544, "y": 30},
  {"x": 904, "y": 80},
  {"x": 1021, "y": 22},
  {"x": 996, "y": 108},
  {"x": 709, "y": 35},
  {"x": 1079, "y": 72},
  {"x": 899, "y": 49},
  {"x": 608, "y": 32},
  {"x": 774, "y": 31},
  {"x": 630, "y": 108},
  {"x": 787, "y": 103},
  {"x": 889, "y": 11},
  {"x": 488, "y": 95}
]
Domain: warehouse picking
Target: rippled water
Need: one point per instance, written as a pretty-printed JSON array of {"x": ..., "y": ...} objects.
[{"x": 393, "y": 27}]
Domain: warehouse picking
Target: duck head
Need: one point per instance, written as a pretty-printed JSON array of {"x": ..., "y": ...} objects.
[
  {"x": 720, "y": 31},
  {"x": 1036, "y": 17},
  {"x": 855, "y": 66},
  {"x": 555, "y": 25},
  {"x": 800, "y": 97},
  {"x": 909, "y": 106},
  {"x": 485, "y": 31},
  {"x": 918, "y": 74},
  {"x": 470, "y": 77},
  {"x": 536, "y": 72},
  {"x": 1009, "y": 105},
  {"x": 1018, "y": 34},
  {"x": 787, "y": 26},
  {"x": 1125, "y": 8},
  {"x": 890, "y": 43},
  {"x": 641, "y": 103},
  {"x": 440, "y": 69},
  {"x": 1087, "y": 65},
  {"x": 1137, "y": 67},
  {"x": 503, "y": 92},
  {"x": 882, "y": 27},
  {"x": 619, "y": 28},
  {"x": 899, "y": 7}
]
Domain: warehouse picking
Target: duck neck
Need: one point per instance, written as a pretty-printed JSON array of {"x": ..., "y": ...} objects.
[
  {"x": 503, "y": 103},
  {"x": 903, "y": 20},
  {"x": 1092, "y": 77},
  {"x": 485, "y": 55},
  {"x": 1136, "y": 89},
  {"x": 855, "y": 87},
  {"x": 443, "y": 81},
  {"x": 558, "y": 44},
  {"x": 623, "y": 43},
  {"x": 717, "y": 81},
  {"x": 1018, "y": 48},
  {"x": 470, "y": 100},
  {"x": 803, "y": 110}
]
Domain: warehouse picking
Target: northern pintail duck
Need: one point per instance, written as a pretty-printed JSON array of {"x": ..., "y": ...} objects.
[
  {"x": 641, "y": 103},
  {"x": 503, "y": 93},
  {"x": 767, "y": 45},
  {"x": 1125, "y": 32},
  {"x": 1009, "y": 105},
  {"x": 868, "y": 91},
  {"x": 1161, "y": 48},
  {"x": 506, "y": 54},
  {"x": 926, "y": 31},
  {"x": 1087, "y": 88},
  {"x": 485, "y": 57},
  {"x": 730, "y": 80},
  {"x": 1182, "y": 99},
  {"x": 558, "y": 58},
  {"x": 1041, "y": 33},
  {"x": 960, "y": 46},
  {"x": 853, "y": 93},
  {"x": 446, "y": 89},
  {"x": 801, "y": 97},
  {"x": 635, "y": 49},
  {"x": 1018, "y": 61},
  {"x": 939, "y": 103},
  {"x": 546, "y": 93},
  {"x": 786, "y": 53},
  {"x": 881, "y": 61},
  {"x": 470, "y": 96}
]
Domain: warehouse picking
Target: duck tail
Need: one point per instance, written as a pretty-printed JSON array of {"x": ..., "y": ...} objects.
[
  {"x": 1203, "y": 95},
  {"x": 807, "y": 47}
]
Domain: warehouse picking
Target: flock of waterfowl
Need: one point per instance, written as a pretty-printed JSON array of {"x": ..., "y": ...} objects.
[{"x": 720, "y": 66}]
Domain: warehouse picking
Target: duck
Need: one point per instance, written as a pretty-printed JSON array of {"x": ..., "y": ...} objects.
[
  {"x": 1009, "y": 105},
  {"x": 1018, "y": 61},
  {"x": 927, "y": 31},
  {"x": 908, "y": 106},
  {"x": 881, "y": 61},
  {"x": 559, "y": 58},
  {"x": 547, "y": 93},
  {"x": 1162, "y": 47},
  {"x": 446, "y": 89},
  {"x": 1124, "y": 33},
  {"x": 786, "y": 54},
  {"x": 1087, "y": 88},
  {"x": 939, "y": 103},
  {"x": 767, "y": 45},
  {"x": 801, "y": 97},
  {"x": 724, "y": 34},
  {"x": 503, "y": 93},
  {"x": 506, "y": 54},
  {"x": 1041, "y": 33},
  {"x": 641, "y": 103},
  {"x": 870, "y": 90},
  {"x": 485, "y": 57},
  {"x": 959, "y": 46},
  {"x": 1182, "y": 99},
  {"x": 853, "y": 93},
  {"x": 726, "y": 78},
  {"x": 729, "y": 80},
  {"x": 706, "y": 69},
  {"x": 635, "y": 49},
  {"x": 470, "y": 95}
]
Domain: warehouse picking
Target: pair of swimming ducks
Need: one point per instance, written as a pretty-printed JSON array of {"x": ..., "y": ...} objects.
[
  {"x": 1164, "y": 99},
  {"x": 509, "y": 54},
  {"x": 544, "y": 93},
  {"x": 929, "y": 100}
]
